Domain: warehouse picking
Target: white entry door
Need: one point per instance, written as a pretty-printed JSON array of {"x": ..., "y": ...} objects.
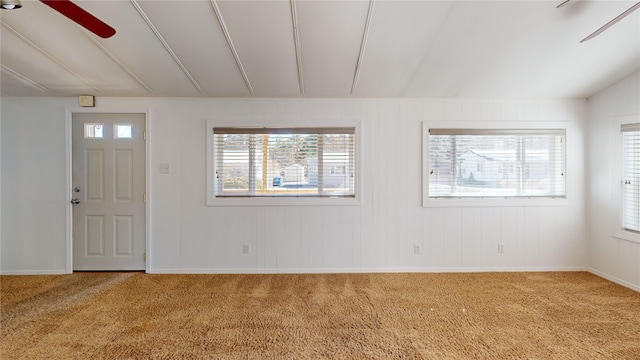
[{"x": 108, "y": 161}]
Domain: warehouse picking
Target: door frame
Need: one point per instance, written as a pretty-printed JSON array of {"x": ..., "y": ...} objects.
[{"x": 69, "y": 174}]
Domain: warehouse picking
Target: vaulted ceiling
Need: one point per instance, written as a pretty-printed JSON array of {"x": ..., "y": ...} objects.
[{"x": 304, "y": 48}]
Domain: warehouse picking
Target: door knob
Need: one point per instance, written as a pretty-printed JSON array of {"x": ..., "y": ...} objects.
[{"x": 75, "y": 201}]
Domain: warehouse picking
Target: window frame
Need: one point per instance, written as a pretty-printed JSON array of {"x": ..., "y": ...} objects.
[
  {"x": 489, "y": 126},
  {"x": 622, "y": 233},
  {"x": 213, "y": 200}
]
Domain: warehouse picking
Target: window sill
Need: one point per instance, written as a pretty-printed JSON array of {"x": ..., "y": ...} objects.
[
  {"x": 628, "y": 236},
  {"x": 477, "y": 202},
  {"x": 282, "y": 201}
]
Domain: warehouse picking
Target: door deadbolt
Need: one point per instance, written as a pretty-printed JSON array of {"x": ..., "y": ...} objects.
[{"x": 76, "y": 189}]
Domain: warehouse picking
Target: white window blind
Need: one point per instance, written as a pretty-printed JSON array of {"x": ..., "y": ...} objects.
[
  {"x": 631, "y": 177},
  {"x": 498, "y": 163},
  {"x": 312, "y": 162}
]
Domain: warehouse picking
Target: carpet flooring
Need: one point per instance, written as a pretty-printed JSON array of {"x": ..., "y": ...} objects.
[{"x": 548, "y": 315}]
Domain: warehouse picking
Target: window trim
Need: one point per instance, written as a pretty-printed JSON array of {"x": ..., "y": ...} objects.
[
  {"x": 621, "y": 232},
  {"x": 213, "y": 200},
  {"x": 491, "y": 127}
]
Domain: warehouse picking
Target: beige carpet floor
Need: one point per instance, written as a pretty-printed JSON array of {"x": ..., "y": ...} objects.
[{"x": 343, "y": 316}]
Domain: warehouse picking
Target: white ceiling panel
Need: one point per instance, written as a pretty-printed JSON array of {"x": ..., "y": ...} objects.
[
  {"x": 566, "y": 67},
  {"x": 139, "y": 50},
  {"x": 400, "y": 37},
  {"x": 262, "y": 33},
  {"x": 520, "y": 49},
  {"x": 602, "y": 60},
  {"x": 331, "y": 33},
  {"x": 18, "y": 86},
  {"x": 421, "y": 48},
  {"x": 71, "y": 48},
  {"x": 199, "y": 43},
  {"x": 472, "y": 40},
  {"x": 22, "y": 58}
]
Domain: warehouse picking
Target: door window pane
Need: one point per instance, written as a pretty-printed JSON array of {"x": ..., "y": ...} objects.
[
  {"x": 93, "y": 131},
  {"x": 122, "y": 131}
]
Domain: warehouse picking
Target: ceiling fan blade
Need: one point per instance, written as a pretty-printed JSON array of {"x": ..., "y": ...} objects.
[
  {"x": 80, "y": 16},
  {"x": 612, "y": 22}
]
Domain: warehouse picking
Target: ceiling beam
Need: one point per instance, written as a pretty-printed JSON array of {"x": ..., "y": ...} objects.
[
  {"x": 167, "y": 47},
  {"x": 363, "y": 45},
  {"x": 296, "y": 40},
  {"x": 24, "y": 79},
  {"x": 115, "y": 59},
  {"x": 50, "y": 57},
  {"x": 227, "y": 36}
]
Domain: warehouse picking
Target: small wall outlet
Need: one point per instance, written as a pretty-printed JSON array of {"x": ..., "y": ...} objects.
[
  {"x": 416, "y": 249},
  {"x": 246, "y": 249},
  {"x": 501, "y": 248},
  {"x": 165, "y": 168}
]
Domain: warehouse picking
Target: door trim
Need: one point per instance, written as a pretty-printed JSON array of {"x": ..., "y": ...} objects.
[{"x": 69, "y": 169}]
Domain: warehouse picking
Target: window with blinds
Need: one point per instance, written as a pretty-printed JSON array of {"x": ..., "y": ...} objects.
[
  {"x": 631, "y": 177},
  {"x": 473, "y": 163},
  {"x": 270, "y": 162}
]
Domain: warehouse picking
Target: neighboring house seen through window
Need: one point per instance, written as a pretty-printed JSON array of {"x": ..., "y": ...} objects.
[{"x": 494, "y": 163}]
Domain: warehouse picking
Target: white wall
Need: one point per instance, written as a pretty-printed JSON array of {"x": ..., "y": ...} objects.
[
  {"x": 34, "y": 194},
  {"x": 611, "y": 257},
  {"x": 378, "y": 235}
]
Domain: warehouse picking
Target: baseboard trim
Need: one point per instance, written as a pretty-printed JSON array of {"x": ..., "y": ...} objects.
[
  {"x": 343, "y": 270},
  {"x": 34, "y": 272},
  {"x": 615, "y": 279},
  {"x": 357, "y": 270}
]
